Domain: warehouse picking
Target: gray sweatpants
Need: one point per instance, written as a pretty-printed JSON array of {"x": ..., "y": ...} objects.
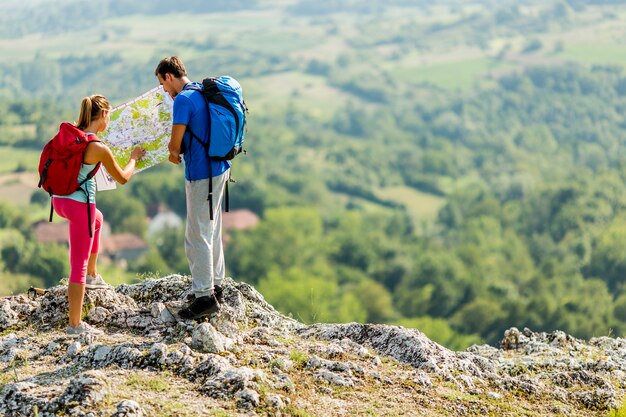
[{"x": 203, "y": 237}]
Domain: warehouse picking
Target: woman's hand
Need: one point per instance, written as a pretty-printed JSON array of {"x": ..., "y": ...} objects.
[{"x": 138, "y": 153}]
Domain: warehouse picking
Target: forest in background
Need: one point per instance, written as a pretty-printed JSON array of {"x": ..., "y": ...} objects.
[{"x": 453, "y": 166}]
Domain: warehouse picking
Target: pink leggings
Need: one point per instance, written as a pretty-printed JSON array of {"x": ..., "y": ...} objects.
[{"x": 81, "y": 245}]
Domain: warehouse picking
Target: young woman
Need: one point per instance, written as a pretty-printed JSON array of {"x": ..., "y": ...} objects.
[{"x": 94, "y": 118}]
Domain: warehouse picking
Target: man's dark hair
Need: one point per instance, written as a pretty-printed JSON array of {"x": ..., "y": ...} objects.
[{"x": 171, "y": 65}]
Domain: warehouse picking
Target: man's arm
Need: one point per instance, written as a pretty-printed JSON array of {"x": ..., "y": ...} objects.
[{"x": 175, "y": 141}]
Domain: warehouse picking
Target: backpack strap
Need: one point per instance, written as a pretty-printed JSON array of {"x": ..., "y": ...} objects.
[
  {"x": 89, "y": 176},
  {"x": 210, "y": 197},
  {"x": 205, "y": 145},
  {"x": 206, "y": 148},
  {"x": 44, "y": 174},
  {"x": 226, "y": 196},
  {"x": 51, "y": 210},
  {"x": 187, "y": 128},
  {"x": 86, "y": 191}
]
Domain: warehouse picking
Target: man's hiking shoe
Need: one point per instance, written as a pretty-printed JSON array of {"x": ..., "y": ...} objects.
[
  {"x": 92, "y": 283},
  {"x": 199, "y": 308},
  {"x": 217, "y": 291},
  {"x": 84, "y": 328}
]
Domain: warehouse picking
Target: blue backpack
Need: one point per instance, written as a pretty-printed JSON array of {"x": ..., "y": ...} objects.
[{"x": 227, "y": 123}]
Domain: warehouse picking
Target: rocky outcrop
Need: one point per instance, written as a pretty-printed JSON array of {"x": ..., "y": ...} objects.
[{"x": 251, "y": 360}]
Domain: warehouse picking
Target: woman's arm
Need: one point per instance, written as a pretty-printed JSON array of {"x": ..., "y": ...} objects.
[{"x": 99, "y": 152}]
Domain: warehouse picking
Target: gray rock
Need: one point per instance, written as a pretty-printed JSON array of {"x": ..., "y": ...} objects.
[
  {"x": 275, "y": 401},
  {"x": 73, "y": 349},
  {"x": 206, "y": 339},
  {"x": 494, "y": 395},
  {"x": 8, "y": 316},
  {"x": 247, "y": 399},
  {"x": 98, "y": 315},
  {"x": 406, "y": 345},
  {"x": 101, "y": 352},
  {"x": 422, "y": 379},
  {"x": 333, "y": 378},
  {"x": 87, "y": 389},
  {"x": 8, "y": 341},
  {"x": 129, "y": 408}
]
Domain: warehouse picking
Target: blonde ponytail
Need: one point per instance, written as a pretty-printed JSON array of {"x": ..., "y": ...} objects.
[{"x": 91, "y": 109}]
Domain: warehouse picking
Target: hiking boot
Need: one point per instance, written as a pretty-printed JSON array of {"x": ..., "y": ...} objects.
[
  {"x": 92, "y": 283},
  {"x": 217, "y": 291},
  {"x": 200, "y": 307},
  {"x": 83, "y": 328}
]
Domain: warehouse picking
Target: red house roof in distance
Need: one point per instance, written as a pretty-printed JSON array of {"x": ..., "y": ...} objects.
[
  {"x": 239, "y": 219},
  {"x": 121, "y": 241},
  {"x": 47, "y": 232}
]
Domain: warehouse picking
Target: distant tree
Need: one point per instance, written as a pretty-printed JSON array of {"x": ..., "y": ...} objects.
[
  {"x": 171, "y": 250},
  {"x": 532, "y": 46},
  {"x": 46, "y": 261},
  {"x": 8, "y": 215},
  {"x": 40, "y": 198},
  {"x": 31, "y": 75},
  {"x": 436, "y": 288},
  {"x": 11, "y": 257},
  {"x": 310, "y": 298},
  {"x": 151, "y": 262},
  {"x": 619, "y": 308},
  {"x": 286, "y": 238},
  {"x": 162, "y": 185},
  {"x": 14, "y": 283},
  {"x": 586, "y": 311},
  {"x": 123, "y": 213},
  {"x": 608, "y": 260},
  {"x": 375, "y": 300},
  {"x": 481, "y": 316},
  {"x": 318, "y": 67}
]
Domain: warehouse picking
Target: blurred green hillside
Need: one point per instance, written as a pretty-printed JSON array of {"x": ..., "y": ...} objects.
[{"x": 455, "y": 166}]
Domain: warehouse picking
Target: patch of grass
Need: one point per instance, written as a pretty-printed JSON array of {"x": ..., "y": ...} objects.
[
  {"x": 285, "y": 340},
  {"x": 7, "y": 331},
  {"x": 7, "y": 378},
  {"x": 149, "y": 383},
  {"x": 277, "y": 41},
  {"x": 290, "y": 410},
  {"x": 307, "y": 93},
  {"x": 620, "y": 412},
  {"x": 277, "y": 363},
  {"x": 299, "y": 358},
  {"x": 453, "y": 74},
  {"x": 87, "y": 307},
  {"x": 420, "y": 206},
  {"x": 595, "y": 53},
  {"x": 26, "y": 159},
  {"x": 220, "y": 413}
]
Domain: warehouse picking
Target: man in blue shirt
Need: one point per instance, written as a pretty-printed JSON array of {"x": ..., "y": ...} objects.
[{"x": 203, "y": 236}]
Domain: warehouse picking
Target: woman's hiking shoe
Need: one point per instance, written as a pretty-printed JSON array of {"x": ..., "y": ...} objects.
[
  {"x": 92, "y": 283},
  {"x": 200, "y": 307},
  {"x": 84, "y": 328},
  {"x": 217, "y": 291}
]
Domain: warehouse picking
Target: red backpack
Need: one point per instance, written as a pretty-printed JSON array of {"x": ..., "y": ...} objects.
[{"x": 60, "y": 163}]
